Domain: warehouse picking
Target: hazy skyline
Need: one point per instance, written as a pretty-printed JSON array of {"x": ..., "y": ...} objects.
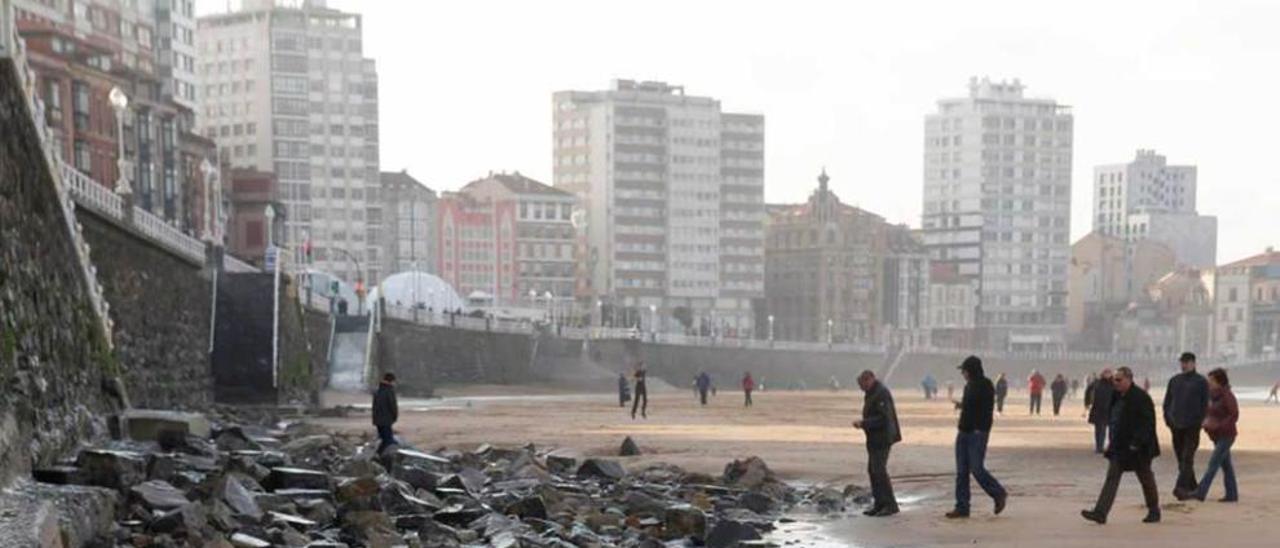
[{"x": 465, "y": 87}]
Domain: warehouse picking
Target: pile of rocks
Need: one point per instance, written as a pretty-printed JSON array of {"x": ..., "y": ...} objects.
[{"x": 297, "y": 485}]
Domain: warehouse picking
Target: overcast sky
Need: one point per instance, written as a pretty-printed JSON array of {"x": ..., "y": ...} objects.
[{"x": 465, "y": 87}]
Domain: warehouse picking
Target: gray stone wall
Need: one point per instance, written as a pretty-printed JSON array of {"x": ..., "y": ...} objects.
[
  {"x": 424, "y": 358},
  {"x": 53, "y": 355}
]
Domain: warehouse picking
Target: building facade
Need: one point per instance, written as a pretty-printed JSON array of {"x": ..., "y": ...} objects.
[
  {"x": 953, "y": 302},
  {"x": 671, "y": 190},
  {"x": 1148, "y": 199},
  {"x": 1107, "y": 277},
  {"x": 505, "y": 237},
  {"x": 408, "y": 224},
  {"x": 80, "y": 51},
  {"x": 287, "y": 89},
  {"x": 997, "y": 205},
  {"x": 249, "y": 230},
  {"x": 1247, "y": 306},
  {"x": 842, "y": 274}
]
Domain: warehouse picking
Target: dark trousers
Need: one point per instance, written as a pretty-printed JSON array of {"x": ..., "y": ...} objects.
[
  {"x": 703, "y": 395},
  {"x": 1099, "y": 437},
  {"x": 1185, "y": 443},
  {"x": 748, "y": 401},
  {"x": 385, "y": 437},
  {"x": 999, "y": 404},
  {"x": 878, "y": 471},
  {"x": 1057, "y": 403},
  {"x": 642, "y": 393},
  {"x": 971, "y": 454},
  {"x": 1035, "y": 404},
  {"x": 1112, "y": 484}
]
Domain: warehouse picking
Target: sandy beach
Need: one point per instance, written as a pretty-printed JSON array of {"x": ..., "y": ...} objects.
[{"x": 1046, "y": 463}]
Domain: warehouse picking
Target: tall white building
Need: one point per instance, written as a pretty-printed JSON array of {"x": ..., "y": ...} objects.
[
  {"x": 1148, "y": 199},
  {"x": 176, "y": 57},
  {"x": 997, "y": 206},
  {"x": 672, "y": 190},
  {"x": 286, "y": 89}
]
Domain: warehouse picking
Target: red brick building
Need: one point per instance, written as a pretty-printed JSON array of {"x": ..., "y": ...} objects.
[{"x": 250, "y": 192}]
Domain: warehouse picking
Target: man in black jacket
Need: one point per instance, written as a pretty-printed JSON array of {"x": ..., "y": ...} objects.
[
  {"x": 880, "y": 423},
  {"x": 1133, "y": 445},
  {"x": 385, "y": 411},
  {"x": 1097, "y": 398},
  {"x": 1185, "y": 403},
  {"x": 971, "y": 440}
]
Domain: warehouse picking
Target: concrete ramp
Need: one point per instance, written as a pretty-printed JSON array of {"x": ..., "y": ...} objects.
[{"x": 348, "y": 371}]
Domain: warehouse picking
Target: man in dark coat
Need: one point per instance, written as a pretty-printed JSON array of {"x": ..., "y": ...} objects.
[
  {"x": 880, "y": 423},
  {"x": 385, "y": 411},
  {"x": 1185, "y": 403},
  {"x": 703, "y": 383},
  {"x": 976, "y": 408},
  {"x": 1097, "y": 398},
  {"x": 1133, "y": 445}
]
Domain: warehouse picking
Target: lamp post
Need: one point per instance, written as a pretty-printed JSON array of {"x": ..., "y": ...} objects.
[
  {"x": 551, "y": 307},
  {"x": 120, "y": 102},
  {"x": 270, "y": 213},
  {"x": 770, "y": 330},
  {"x": 209, "y": 172},
  {"x": 600, "y": 311},
  {"x": 653, "y": 320},
  {"x": 830, "y": 325}
]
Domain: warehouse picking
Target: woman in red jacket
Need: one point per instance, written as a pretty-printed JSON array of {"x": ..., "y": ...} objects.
[
  {"x": 748, "y": 385},
  {"x": 1220, "y": 424}
]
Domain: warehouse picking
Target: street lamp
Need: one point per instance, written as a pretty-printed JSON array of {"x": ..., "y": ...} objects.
[
  {"x": 209, "y": 172},
  {"x": 653, "y": 319},
  {"x": 600, "y": 310},
  {"x": 551, "y": 307},
  {"x": 770, "y": 329},
  {"x": 120, "y": 102},
  {"x": 270, "y": 213},
  {"x": 830, "y": 325}
]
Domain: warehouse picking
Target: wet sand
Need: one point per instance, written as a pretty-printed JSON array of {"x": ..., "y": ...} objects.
[{"x": 1046, "y": 463}]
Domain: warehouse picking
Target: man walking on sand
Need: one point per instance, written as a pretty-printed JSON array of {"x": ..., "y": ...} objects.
[
  {"x": 1058, "y": 389},
  {"x": 385, "y": 411},
  {"x": 748, "y": 386},
  {"x": 1002, "y": 392},
  {"x": 1035, "y": 384},
  {"x": 704, "y": 385},
  {"x": 1133, "y": 446},
  {"x": 1185, "y": 402},
  {"x": 1097, "y": 399},
  {"x": 974, "y": 431},
  {"x": 880, "y": 424},
  {"x": 641, "y": 392}
]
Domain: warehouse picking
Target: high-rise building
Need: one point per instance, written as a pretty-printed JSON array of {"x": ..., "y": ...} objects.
[
  {"x": 997, "y": 205},
  {"x": 287, "y": 89},
  {"x": 671, "y": 190},
  {"x": 176, "y": 58},
  {"x": 409, "y": 223},
  {"x": 1148, "y": 199},
  {"x": 507, "y": 237},
  {"x": 79, "y": 52}
]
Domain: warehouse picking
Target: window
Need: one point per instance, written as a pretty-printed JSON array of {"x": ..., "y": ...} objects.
[{"x": 83, "y": 156}]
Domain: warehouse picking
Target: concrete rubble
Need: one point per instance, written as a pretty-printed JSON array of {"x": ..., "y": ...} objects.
[{"x": 251, "y": 483}]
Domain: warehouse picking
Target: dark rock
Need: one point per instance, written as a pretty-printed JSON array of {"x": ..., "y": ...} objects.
[
  {"x": 234, "y": 439},
  {"x": 59, "y": 475},
  {"x": 398, "y": 503},
  {"x": 458, "y": 515},
  {"x": 749, "y": 474},
  {"x": 757, "y": 502},
  {"x": 728, "y": 533},
  {"x": 114, "y": 469},
  {"x": 684, "y": 521},
  {"x": 275, "y": 502},
  {"x": 302, "y": 494},
  {"x": 286, "y": 536},
  {"x": 296, "y": 522},
  {"x": 359, "y": 493},
  {"x": 602, "y": 469},
  {"x": 629, "y": 448},
  {"x": 747, "y": 517},
  {"x": 642, "y": 504},
  {"x": 158, "y": 495},
  {"x": 297, "y": 478},
  {"x": 189, "y": 518},
  {"x": 528, "y": 507},
  {"x": 361, "y": 468},
  {"x": 426, "y": 461},
  {"x": 474, "y": 480},
  {"x": 317, "y": 510},
  {"x": 161, "y": 466},
  {"x": 417, "y": 477},
  {"x": 152, "y": 424},
  {"x": 561, "y": 465},
  {"x": 249, "y": 467},
  {"x": 371, "y": 528}
]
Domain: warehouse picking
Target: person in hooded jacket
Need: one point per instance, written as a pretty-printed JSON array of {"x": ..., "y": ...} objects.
[
  {"x": 880, "y": 423},
  {"x": 1002, "y": 392},
  {"x": 974, "y": 431},
  {"x": 385, "y": 411},
  {"x": 1133, "y": 446},
  {"x": 1058, "y": 389}
]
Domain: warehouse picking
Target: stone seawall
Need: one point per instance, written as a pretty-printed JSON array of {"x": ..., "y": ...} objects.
[
  {"x": 424, "y": 358},
  {"x": 160, "y": 305},
  {"x": 54, "y": 361}
]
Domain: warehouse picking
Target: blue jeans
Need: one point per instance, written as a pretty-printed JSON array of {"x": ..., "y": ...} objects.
[
  {"x": 971, "y": 451},
  {"x": 1221, "y": 457},
  {"x": 385, "y": 437}
]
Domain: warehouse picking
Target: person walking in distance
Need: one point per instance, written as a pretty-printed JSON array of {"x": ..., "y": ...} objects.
[
  {"x": 1002, "y": 392},
  {"x": 1274, "y": 396},
  {"x": 974, "y": 431},
  {"x": 1058, "y": 389},
  {"x": 1075, "y": 388},
  {"x": 1097, "y": 400},
  {"x": 704, "y": 385},
  {"x": 1185, "y": 402},
  {"x": 1133, "y": 446},
  {"x": 641, "y": 392},
  {"x": 385, "y": 411},
  {"x": 748, "y": 386},
  {"x": 1035, "y": 385},
  {"x": 1220, "y": 425},
  {"x": 880, "y": 424}
]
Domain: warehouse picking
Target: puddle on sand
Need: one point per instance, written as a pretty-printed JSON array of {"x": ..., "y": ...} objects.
[{"x": 815, "y": 531}]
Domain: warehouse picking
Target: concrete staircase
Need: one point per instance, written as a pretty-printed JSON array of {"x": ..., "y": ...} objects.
[{"x": 348, "y": 354}]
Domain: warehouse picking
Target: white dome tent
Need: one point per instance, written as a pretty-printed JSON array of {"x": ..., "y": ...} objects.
[{"x": 405, "y": 289}]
